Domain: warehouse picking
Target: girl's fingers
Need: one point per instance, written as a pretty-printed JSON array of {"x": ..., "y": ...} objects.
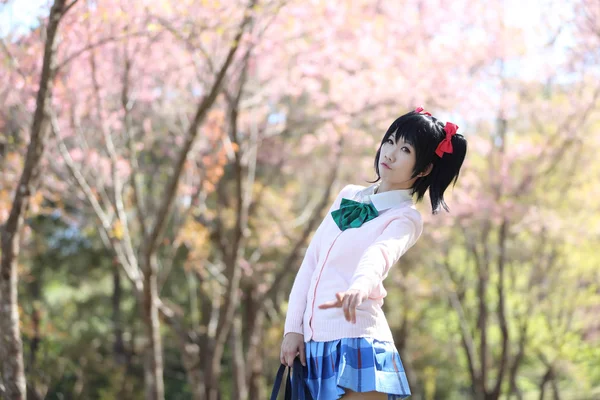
[
  {"x": 334, "y": 303},
  {"x": 350, "y": 310},
  {"x": 289, "y": 360},
  {"x": 302, "y": 355},
  {"x": 353, "y": 305},
  {"x": 347, "y": 302},
  {"x": 330, "y": 304},
  {"x": 350, "y": 304},
  {"x": 347, "y": 308}
]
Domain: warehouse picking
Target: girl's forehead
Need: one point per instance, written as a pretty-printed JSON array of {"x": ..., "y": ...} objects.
[{"x": 401, "y": 138}]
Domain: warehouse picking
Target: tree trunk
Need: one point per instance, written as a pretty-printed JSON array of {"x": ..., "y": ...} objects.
[
  {"x": 11, "y": 346},
  {"x": 482, "y": 321},
  {"x": 501, "y": 310},
  {"x": 36, "y": 317},
  {"x": 227, "y": 314},
  {"x": 213, "y": 376},
  {"x": 545, "y": 379},
  {"x": 239, "y": 387},
  {"x": 193, "y": 351},
  {"x": 549, "y": 377},
  {"x": 255, "y": 316},
  {"x": 514, "y": 388},
  {"x": 555, "y": 392},
  {"x": 36, "y": 389},
  {"x": 121, "y": 356},
  {"x": 193, "y": 371},
  {"x": 213, "y": 366},
  {"x": 256, "y": 374},
  {"x": 153, "y": 365}
]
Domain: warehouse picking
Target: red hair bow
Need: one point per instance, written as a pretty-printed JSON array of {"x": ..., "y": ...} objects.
[
  {"x": 445, "y": 145},
  {"x": 420, "y": 110}
]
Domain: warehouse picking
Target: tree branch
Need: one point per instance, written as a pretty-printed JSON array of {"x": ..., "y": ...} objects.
[
  {"x": 152, "y": 238},
  {"x": 69, "y": 6},
  {"x": 126, "y": 105},
  {"x": 291, "y": 259},
  {"x": 93, "y": 45},
  {"x": 105, "y": 221},
  {"x": 12, "y": 59},
  {"x": 466, "y": 338},
  {"x": 112, "y": 153}
]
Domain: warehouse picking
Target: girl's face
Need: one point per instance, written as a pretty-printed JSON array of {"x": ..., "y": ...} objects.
[{"x": 396, "y": 164}]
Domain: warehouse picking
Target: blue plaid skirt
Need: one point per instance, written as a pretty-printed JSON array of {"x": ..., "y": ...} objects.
[{"x": 358, "y": 364}]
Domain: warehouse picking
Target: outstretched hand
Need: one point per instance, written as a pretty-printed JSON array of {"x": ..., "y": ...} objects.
[{"x": 348, "y": 300}]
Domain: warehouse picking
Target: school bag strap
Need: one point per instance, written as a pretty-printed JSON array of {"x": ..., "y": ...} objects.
[
  {"x": 277, "y": 384},
  {"x": 295, "y": 386}
]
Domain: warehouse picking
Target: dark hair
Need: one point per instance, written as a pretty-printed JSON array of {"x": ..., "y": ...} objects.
[{"x": 424, "y": 133}]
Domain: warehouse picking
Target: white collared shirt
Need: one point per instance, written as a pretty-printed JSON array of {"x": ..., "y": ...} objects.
[{"x": 383, "y": 201}]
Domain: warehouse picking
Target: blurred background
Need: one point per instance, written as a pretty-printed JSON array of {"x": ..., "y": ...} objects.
[{"x": 173, "y": 159}]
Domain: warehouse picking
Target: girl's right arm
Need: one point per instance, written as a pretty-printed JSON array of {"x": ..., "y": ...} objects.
[{"x": 298, "y": 295}]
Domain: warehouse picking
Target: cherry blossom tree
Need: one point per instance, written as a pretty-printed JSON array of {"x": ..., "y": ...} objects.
[{"x": 11, "y": 349}]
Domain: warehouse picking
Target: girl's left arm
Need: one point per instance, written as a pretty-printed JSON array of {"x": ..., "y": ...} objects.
[{"x": 375, "y": 263}]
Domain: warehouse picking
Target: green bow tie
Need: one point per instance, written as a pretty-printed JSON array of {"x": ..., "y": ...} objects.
[{"x": 352, "y": 214}]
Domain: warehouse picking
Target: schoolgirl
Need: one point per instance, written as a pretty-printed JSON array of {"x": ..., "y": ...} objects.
[{"x": 334, "y": 321}]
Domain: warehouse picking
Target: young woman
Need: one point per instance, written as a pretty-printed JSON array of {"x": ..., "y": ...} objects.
[{"x": 335, "y": 322}]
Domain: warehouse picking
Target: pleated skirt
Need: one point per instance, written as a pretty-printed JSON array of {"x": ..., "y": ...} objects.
[{"x": 358, "y": 364}]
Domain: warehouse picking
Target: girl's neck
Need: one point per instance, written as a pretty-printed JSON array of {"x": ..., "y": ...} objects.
[{"x": 385, "y": 187}]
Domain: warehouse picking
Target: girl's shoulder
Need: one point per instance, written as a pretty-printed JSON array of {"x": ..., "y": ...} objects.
[
  {"x": 351, "y": 190},
  {"x": 347, "y": 192}
]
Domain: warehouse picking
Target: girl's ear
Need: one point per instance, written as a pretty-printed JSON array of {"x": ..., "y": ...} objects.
[{"x": 427, "y": 171}]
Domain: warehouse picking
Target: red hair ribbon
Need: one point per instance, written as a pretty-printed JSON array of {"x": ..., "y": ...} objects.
[
  {"x": 420, "y": 110},
  {"x": 445, "y": 145}
]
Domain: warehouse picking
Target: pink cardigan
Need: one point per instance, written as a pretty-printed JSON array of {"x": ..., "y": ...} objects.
[{"x": 357, "y": 258}]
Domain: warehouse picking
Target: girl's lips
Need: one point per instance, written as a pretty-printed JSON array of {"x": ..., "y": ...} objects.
[{"x": 385, "y": 165}]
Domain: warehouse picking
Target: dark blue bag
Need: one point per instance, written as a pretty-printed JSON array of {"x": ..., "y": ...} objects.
[{"x": 295, "y": 384}]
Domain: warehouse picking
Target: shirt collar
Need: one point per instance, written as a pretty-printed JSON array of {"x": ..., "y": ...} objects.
[{"x": 385, "y": 200}]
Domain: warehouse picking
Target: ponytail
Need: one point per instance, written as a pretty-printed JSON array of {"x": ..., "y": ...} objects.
[{"x": 444, "y": 171}]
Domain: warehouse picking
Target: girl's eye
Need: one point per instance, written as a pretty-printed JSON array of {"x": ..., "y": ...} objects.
[
  {"x": 405, "y": 149},
  {"x": 390, "y": 141}
]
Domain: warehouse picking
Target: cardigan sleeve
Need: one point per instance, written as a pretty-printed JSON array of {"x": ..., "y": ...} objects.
[
  {"x": 298, "y": 296},
  {"x": 375, "y": 263}
]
